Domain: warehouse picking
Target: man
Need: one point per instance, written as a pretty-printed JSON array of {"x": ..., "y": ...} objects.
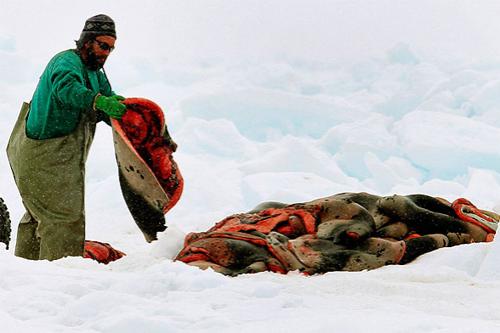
[
  {"x": 346, "y": 231},
  {"x": 50, "y": 142}
]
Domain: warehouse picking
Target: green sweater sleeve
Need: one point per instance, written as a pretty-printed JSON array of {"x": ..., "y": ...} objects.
[
  {"x": 69, "y": 86},
  {"x": 104, "y": 89},
  {"x": 105, "y": 86}
]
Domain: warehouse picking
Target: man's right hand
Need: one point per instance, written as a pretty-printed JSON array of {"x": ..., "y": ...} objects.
[{"x": 111, "y": 105}]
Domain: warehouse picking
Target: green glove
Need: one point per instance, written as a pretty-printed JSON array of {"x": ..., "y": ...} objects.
[{"x": 111, "y": 105}]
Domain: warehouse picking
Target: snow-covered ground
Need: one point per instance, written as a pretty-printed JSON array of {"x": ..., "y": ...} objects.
[{"x": 271, "y": 100}]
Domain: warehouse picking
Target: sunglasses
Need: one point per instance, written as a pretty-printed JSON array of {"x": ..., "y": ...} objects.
[{"x": 104, "y": 46}]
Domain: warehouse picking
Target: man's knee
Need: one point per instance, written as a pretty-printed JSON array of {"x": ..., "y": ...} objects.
[{"x": 58, "y": 240}]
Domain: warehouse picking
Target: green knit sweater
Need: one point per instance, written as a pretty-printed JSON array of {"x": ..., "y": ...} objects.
[{"x": 65, "y": 90}]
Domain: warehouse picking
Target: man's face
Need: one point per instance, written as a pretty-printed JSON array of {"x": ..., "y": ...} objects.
[{"x": 98, "y": 50}]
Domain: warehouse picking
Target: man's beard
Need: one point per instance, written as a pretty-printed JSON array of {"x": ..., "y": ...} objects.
[{"x": 92, "y": 61}]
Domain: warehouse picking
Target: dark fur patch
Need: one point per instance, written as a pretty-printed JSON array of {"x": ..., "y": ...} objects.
[
  {"x": 418, "y": 246},
  {"x": 5, "y": 228}
]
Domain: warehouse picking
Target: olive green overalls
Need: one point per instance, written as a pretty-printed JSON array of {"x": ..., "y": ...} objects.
[{"x": 52, "y": 188}]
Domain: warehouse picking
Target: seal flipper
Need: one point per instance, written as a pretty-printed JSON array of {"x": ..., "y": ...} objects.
[{"x": 150, "y": 220}]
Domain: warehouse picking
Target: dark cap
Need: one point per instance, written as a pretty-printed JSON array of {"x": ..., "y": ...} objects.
[{"x": 99, "y": 25}]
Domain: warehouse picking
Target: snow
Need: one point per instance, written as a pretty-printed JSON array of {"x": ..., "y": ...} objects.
[{"x": 285, "y": 101}]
